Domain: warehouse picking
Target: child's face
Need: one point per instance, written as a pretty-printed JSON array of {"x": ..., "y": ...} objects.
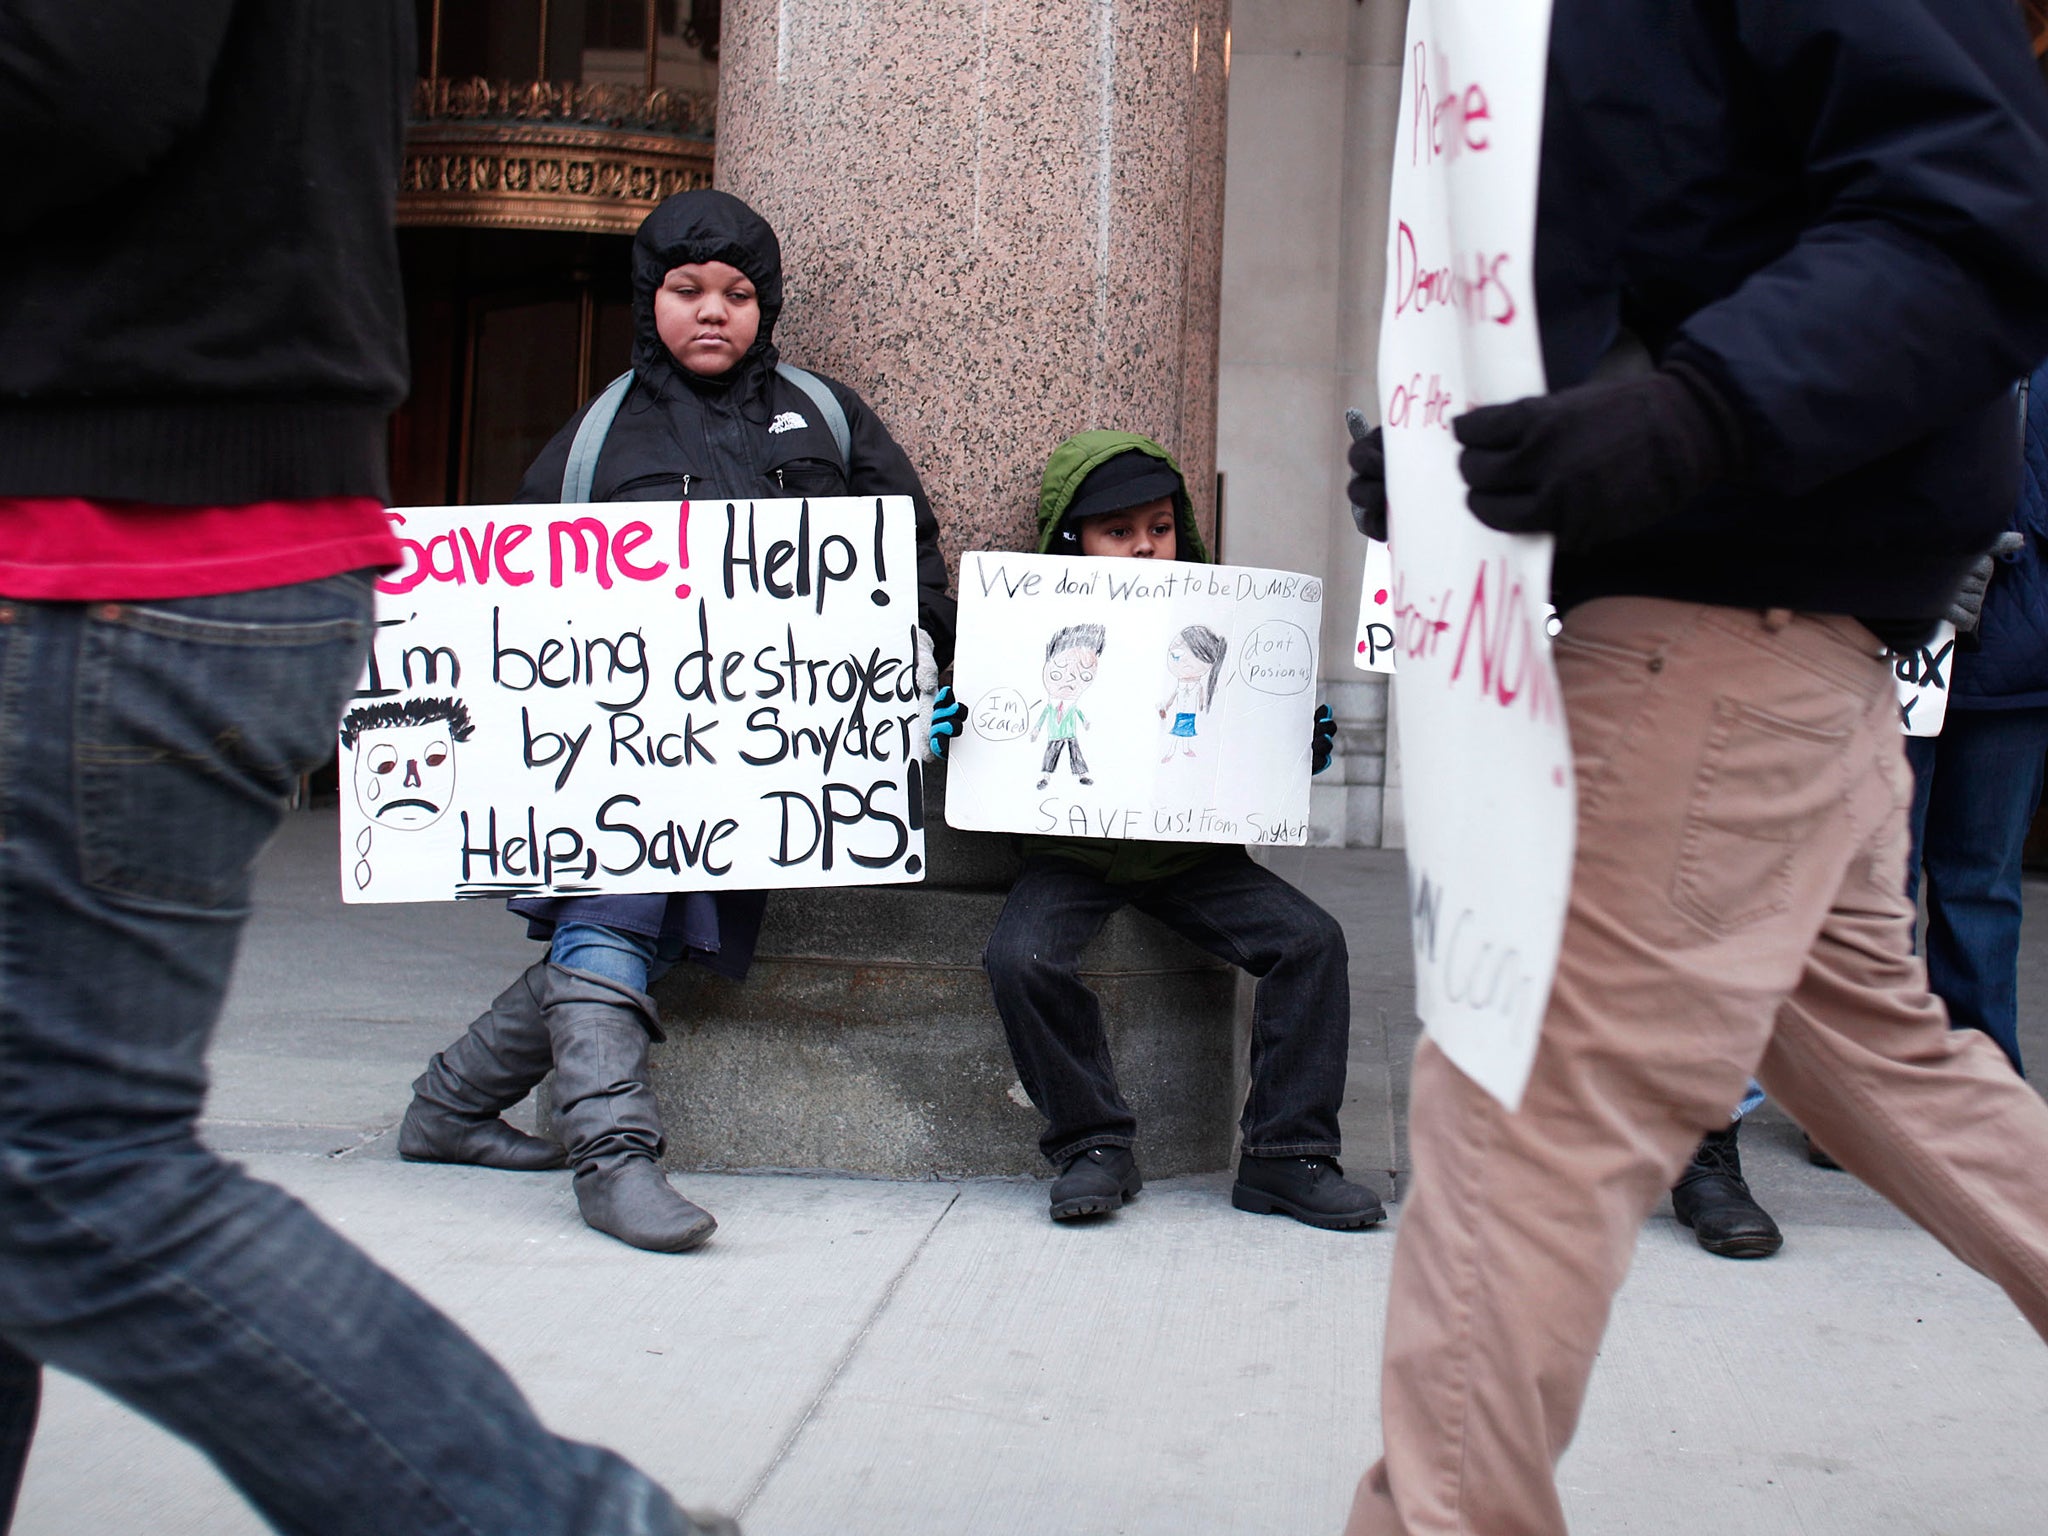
[
  {"x": 1068, "y": 673},
  {"x": 707, "y": 315},
  {"x": 1184, "y": 663},
  {"x": 1136, "y": 533}
]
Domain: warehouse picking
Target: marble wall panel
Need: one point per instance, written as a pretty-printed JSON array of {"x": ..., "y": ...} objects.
[{"x": 1001, "y": 219}]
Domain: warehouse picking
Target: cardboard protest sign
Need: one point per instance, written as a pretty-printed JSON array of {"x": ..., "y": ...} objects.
[
  {"x": 638, "y": 696},
  {"x": 1486, "y": 761},
  {"x": 1923, "y": 682},
  {"x": 1151, "y": 700}
]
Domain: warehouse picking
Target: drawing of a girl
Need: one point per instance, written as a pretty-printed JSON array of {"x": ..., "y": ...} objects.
[{"x": 1194, "y": 659}]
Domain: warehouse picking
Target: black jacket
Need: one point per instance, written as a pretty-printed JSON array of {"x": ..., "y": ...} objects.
[
  {"x": 678, "y": 435},
  {"x": 1838, "y": 211},
  {"x": 199, "y": 291}
]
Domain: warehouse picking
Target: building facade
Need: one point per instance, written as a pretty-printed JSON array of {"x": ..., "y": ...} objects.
[{"x": 1033, "y": 207}]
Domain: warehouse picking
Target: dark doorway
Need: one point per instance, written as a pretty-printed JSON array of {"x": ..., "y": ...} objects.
[{"x": 510, "y": 331}]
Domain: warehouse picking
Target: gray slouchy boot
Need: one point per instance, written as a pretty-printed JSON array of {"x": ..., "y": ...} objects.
[
  {"x": 607, "y": 1116},
  {"x": 453, "y": 1117}
]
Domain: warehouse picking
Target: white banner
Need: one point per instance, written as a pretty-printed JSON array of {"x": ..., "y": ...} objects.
[
  {"x": 638, "y": 696},
  {"x": 1923, "y": 682},
  {"x": 1486, "y": 760},
  {"x": 1376, "y": 646},
  {"x": 1153, "y": 700}
]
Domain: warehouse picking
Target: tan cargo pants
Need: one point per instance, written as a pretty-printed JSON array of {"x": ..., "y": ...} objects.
[{"x": 1737, "y": 906}]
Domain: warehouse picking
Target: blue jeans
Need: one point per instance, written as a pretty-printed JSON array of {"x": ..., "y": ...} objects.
[
  {"x": 145, "y": 754},
  {"x": 631, "y": 959},
  {"x": 1976, "y": 787}
]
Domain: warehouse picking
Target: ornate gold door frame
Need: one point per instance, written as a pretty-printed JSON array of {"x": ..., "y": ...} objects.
[{"x": 547, "y": 155}]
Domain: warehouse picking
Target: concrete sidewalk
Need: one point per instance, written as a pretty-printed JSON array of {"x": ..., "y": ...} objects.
[{"x": 858, "y": 1356}]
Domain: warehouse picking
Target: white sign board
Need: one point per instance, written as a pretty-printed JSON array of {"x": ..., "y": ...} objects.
[
  {"x": 1923, "y": 682},
  {"x": 638, "y": 696},
  {"x": 1486, "y": 760},
  {"x": 1375, "y": 652},
  {"x": 1155, "y": 700}
]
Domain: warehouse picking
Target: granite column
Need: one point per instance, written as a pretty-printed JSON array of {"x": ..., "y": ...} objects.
[{"x": 1001, "y": 221}]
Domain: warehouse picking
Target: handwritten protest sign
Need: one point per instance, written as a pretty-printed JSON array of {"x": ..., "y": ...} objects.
[
  {"x": 1151, "y": 700},
  {"x": 1922, "y": 675},
  {"x": 639, "y": 696},
  {"x": 1485, "y": 757},
  {"x": 1376, "y": 645}
]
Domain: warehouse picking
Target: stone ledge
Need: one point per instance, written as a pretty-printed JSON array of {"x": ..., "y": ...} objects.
[
  {"x": 865, "y": 1039},
  {"x": 900, "y": 1069}
]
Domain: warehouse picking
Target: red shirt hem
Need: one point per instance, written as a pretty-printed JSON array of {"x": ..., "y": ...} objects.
[{"x": 69, "y": 550}]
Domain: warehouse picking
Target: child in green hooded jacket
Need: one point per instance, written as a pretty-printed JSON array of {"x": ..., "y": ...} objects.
[{"x": 1118, "y": 495}]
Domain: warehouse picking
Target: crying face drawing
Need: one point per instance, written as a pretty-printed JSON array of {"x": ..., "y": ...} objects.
[{"x": 405, "y": 759}]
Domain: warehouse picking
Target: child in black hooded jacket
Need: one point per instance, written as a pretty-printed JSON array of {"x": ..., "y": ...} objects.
[{"x": 708, "y": 413}]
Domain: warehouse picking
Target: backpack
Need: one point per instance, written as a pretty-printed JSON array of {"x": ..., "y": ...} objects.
[{"x": 581, "y": 470}]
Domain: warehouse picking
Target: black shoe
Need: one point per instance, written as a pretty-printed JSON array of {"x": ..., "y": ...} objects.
[
  {"x": 1310, "y": 1189},
  {"x": 1095, "y": 1182},
  {"x": 1712, "y": 1198},
  {"x": 1817, "y": 1155}
]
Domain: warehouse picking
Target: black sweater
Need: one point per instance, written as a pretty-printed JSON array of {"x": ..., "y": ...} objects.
[{"x": 199, "y": 290}]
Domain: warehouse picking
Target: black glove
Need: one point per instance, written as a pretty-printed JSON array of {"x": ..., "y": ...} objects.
[
  {"x": 1368, "y": 488},
  {"x": 1323, "y": 741},
  {"x": 1599, "y": 461},
  {"x": 1966, "y": 608}
]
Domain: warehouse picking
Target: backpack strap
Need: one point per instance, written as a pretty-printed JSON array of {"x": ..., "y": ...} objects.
[
  {"x": 581, "y": 471},
  {"x": 828, "y": 407}
]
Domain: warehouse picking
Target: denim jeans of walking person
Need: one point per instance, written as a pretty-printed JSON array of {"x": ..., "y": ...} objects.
[
  {"x": 1231, "y": 907},
  {"x": 1976, "y": 787},
  {"x": 146, "y": 751}
]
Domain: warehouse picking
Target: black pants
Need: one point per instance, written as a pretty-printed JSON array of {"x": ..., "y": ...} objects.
[
  {"x": 1238, "y": 911},
  {"x": 1072, "y": 748}
]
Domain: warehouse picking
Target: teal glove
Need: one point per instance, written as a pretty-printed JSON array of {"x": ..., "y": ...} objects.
[
  {"x": 947, "y": 713},
  {"x": 1324, "y": 740}
]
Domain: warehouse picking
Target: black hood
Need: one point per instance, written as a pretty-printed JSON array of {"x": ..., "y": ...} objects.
[{"x": 693, "y": 227}]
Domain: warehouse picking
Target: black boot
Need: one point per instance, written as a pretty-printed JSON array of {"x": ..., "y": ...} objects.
[
  {"x": 453, "y": 1117},
  {"x": 607, "y": 1115},
  {"x": 1310, "y": 1189},
  {"x": 1712, "y": 1198},
  {"x": 1095, "y": 1182}
]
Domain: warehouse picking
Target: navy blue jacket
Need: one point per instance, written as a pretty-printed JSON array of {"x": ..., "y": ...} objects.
[
  {"x": 1838, "y": 211},
  {"x": 2008, "y": 666}
]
